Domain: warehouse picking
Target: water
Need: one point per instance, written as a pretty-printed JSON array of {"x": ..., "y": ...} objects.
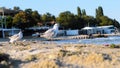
[
  {"x": 108, "y": 40},
  {"x": 99, "y": 41}
]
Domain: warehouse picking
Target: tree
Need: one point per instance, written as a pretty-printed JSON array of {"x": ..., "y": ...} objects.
[
  {"x": 47, "y": 18},
  {"x": 20, "y": 20},
  {"x": 20, "y": 17},
  {"x": 36, "y": 16},
  {"x": 105, "y": 21},
  {"x": 116, "y": 23},
  {"x": 89, "y": 21},
  {"x": 99, "y": 12},
  {"x": 16, "y": 8},
  {"x": 9, "y": 20},
  {"x": 68, "y": 20},
  {"x": 79, "y": 12},
  {"x": 83, "y": 12},
  {"x": 28, "y": 11},
  {"x": 32, "y": 17}
]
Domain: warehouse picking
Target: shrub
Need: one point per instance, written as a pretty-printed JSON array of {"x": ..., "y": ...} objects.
[{"x": 112, "y": 46}]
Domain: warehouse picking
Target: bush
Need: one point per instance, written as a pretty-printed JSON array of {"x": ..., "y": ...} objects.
[{"x": 112, "y": 46}]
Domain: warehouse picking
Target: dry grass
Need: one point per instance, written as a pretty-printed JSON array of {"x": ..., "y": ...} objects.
[
  {"x": 64, "y": 56},
  {"x": 44, "y": 64}
]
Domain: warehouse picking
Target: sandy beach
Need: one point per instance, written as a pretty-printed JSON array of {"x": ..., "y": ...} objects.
[{"x": 32, "y": 53}]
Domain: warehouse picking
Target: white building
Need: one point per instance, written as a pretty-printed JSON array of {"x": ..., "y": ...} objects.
[{"x": 101, "y": 29}]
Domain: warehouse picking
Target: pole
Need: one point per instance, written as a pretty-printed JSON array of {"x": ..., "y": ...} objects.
[{"x": 3, "y": 34}]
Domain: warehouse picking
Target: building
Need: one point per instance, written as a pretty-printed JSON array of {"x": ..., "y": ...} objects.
[
  {"x": 100, "y": 29},
  {"x": 5, "y": 12}
]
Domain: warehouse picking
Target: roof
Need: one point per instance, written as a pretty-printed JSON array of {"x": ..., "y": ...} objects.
[
  {"x": 86, "y": 28},
  {"x": 8, "y": 11},
  {"x": 89, "y": 28}
]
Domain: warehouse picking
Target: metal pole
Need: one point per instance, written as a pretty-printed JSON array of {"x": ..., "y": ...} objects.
[{"x": 2, "y": 25}]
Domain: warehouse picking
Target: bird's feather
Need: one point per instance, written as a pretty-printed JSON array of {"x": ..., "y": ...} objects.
[
  {"x": 16, "y": 37},
  {"x": 50, "y": 33}
]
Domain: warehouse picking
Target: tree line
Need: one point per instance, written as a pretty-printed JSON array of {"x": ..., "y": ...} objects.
[{"x": 29, "y": 18}]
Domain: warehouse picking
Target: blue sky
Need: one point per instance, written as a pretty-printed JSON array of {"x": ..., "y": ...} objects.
[{"x": 110, "y": 7}]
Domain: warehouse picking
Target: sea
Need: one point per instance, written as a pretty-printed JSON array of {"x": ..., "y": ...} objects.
[{"x": 98, "y": 41}]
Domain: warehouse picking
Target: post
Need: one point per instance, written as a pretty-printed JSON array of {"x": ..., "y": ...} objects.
[{"x": 3, "y": 33}]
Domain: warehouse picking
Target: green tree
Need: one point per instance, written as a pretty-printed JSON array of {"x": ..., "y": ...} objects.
[
  {"x": 78, "y": 22},
  {"x": 9, "y": 20},
  {"x": 20, "y": 20},
  {"x": 28, "y": 11},
  {"x": 67, "y": 20},
  {"x": 90, "y": 21},
  {"x": 99, "y": 12},
  {"x": 83, "y": 12},
  {"x": 36, "y": 17},
  {"x": 46, "y": 18},
  {"x": 31, "y": 21},
  {"x": 20, "y": 17},
  {"x": 116, "y": 23},
  {"x": 16, "y": 8},
  {"x": 79, "y": 12},
  {"x": 104, "y": 20}
]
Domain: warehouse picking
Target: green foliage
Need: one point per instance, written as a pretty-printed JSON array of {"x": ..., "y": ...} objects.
[
  {"x": 20, "y": 17},
  {"x": 36, "y": 16},
  {"x": 112, "y": 46},
  {"x": 47, "y": 17},
  {"x": 116, "y": 24},
  {"x": 20, "y": 20},
  {"x": 83, "y": 12},
  {"x": 16, "y": 8},
  {"x": 67, "y": 20},
  {"x": 99, "y": 12},
  {"x": 105, "y": 21},
  {"x": 28, "y": 11},
  {"x": 27, "y": 18},
  {"x": 9, "y": 20},
  {"x": 79, "y": 12},
  {"x": 89, "y": 21}
]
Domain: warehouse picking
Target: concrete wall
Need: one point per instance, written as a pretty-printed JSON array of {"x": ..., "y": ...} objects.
[{"x": 72, "y": 32}]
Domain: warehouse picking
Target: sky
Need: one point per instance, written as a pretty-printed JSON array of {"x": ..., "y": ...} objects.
[{"x": 55, "y": 7}]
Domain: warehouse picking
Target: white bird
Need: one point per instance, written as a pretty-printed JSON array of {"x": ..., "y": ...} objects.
[
  {"x": 16, "y": 37},
  {"x": 51, "y": 33}
]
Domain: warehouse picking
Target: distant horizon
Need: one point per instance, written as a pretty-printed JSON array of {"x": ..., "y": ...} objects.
[{"x": 55, "y": 7}]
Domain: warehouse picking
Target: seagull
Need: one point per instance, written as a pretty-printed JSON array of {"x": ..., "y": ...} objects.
[
  {"x": 51, "y": 33},
  {"x": 16, "y": 37}
]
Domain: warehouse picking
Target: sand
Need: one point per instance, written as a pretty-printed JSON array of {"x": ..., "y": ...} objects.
[{"x": 35, "y": 53}]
